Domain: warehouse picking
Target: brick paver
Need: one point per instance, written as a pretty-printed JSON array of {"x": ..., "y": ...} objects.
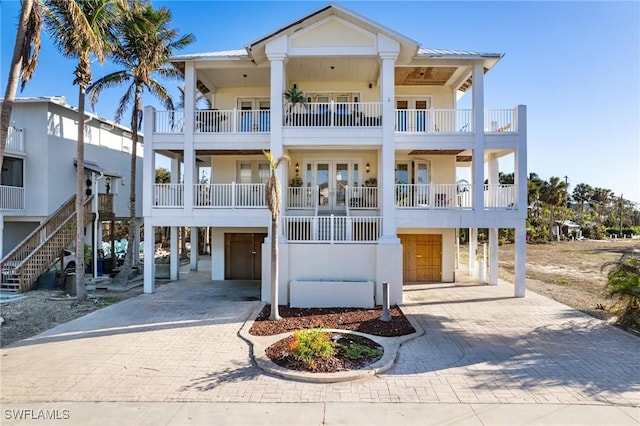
[{"x": 181, "y": 344}]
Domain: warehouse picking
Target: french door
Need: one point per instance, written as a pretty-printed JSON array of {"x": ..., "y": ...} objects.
[
  {"x": 254, "y": 115},
  {"x": 332, "y": 177}
]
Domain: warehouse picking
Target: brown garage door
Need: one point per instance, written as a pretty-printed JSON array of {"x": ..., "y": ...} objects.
[
  {"x": 422, "y": 257},
  {"x": 243, "y": 256}
]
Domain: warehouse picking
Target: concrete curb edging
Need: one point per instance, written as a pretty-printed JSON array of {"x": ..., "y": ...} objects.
[{"x": 259, "y": 344}]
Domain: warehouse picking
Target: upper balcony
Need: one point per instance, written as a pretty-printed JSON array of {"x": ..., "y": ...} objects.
[
  {"x": 15, "y": 141},
  {"x": 323, "y": 116}
]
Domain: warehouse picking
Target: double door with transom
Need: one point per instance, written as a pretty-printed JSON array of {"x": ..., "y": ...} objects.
[{"x": 332, "y": 177}]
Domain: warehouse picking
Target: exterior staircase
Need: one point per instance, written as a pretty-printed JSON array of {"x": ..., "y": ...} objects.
[{"x": 35, "y": 254}]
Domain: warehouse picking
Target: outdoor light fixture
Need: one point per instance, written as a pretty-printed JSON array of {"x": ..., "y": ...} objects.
[
  {"x": 297, "y": 168},
  {"x": 107, "y": 182},
  {"x": 367, "y": 168}
]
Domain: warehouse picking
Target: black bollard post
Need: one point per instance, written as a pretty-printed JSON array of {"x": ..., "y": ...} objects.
[{"x": 386, "y": 317}]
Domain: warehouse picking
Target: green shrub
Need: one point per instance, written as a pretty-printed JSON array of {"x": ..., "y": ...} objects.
[
  {"x": 623, "y": 281},
  {"x": 310, "y": 343},
  {"x": 355, "y": 351}
]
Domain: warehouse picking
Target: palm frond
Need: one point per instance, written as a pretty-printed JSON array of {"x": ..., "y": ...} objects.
[
  {"x": 125, "y": 100},
  {"x": 32, "y": 40},
  {"x": 114, "y": 79}
]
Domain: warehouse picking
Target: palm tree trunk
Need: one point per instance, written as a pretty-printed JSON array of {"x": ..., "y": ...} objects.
[
  {"x": 123, "y": 275},
  {"x": 81, "y": 289},
  {"x": 275, "y": 314},
  {"x": 14, "y": 76}
]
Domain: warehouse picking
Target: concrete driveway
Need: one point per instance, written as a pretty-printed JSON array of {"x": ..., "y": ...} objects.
[{"x": 481, "y": 348}]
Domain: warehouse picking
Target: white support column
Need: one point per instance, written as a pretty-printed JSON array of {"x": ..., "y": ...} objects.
[
  {"x": 520, "y": 175},
  {"x": 478, "y": 148},
  {"x": 175, "y": 170},
  {"x": 493, "y": 169},
  {"x": 174, "y": 256},
  {"x": 149, "y": 259},
  {"x": 276, "y": 51},
  {"x": 473, "y": 251},
  {"x": 521, "y": 261},
  {"x": 149, "y": 164},
  {"x": 217, "y": 254},
  {"x": 2, "y": 253},
  {"x": 194, "y": 248},
  {"x": 189, "y": 125},
  {"x": 388, "y": 51},
  {"x": 493, "y": 256}
]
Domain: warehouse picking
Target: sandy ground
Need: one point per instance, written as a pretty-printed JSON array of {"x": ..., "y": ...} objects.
[{"x": 568, "y": 272}]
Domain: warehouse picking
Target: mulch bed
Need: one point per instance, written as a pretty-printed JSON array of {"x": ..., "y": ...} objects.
[
  {"x": 352, "y": 319},
  {"x": 279, "y": 353}
]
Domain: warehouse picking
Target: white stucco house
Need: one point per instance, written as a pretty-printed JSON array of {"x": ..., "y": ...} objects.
[
  {"x": 371, "y": 194},
  {"x": 38, "y": 186}
]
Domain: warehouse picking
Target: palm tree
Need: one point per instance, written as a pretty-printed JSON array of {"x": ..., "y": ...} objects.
[
  {"x": 79, "y": 28},
  {"x": 555, "y": 194},
  {"x": 272, "y": 198},
  {"x": 581, "y": 194},
  {"x": 23, "y": 62},
  {"x": 142, "y": 46},
  {"x": 294, "y": 96}
]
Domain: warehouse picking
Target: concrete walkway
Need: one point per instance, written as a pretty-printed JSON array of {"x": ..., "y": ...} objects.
[{"x": 174, "y": 357}]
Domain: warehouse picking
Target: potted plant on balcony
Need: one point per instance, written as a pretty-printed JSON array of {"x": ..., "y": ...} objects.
[
  {"x": 294, "y": 97},
  {"x": 296, "y": 181},
  {"x": 371, "y": 182}
]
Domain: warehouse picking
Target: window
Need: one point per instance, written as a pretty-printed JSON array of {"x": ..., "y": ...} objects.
[{"x": 12, "y": 172}]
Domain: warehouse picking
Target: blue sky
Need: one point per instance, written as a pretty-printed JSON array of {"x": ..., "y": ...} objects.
[{"x": 576, "y": 65}]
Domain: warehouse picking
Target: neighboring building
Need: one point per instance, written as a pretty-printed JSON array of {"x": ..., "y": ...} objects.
[
  {"x": 39, "y": 177},
  {"x": 371, "y": 193}
]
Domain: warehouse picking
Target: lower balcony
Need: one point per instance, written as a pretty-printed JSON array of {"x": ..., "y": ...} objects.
[
  {"x": 11, "y": 197},
  {"x": 332, "y": 229},
  {"x": 342, "y": 200}
]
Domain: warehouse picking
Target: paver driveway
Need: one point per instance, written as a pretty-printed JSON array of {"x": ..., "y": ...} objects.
[{"x": 480, "y": 345}]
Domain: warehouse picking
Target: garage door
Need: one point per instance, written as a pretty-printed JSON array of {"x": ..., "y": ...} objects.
[
  {"x": 243, "y": 256},
  {"x": 422, "y": 257}
]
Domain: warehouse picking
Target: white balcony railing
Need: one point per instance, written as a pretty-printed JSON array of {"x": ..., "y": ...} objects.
[
  {"x": 168, "y": 122},
  {"x": 333, "y": 114},
  {"x": 500, "y": 120},
  {"x": 342, "y": 114},
  {"x": 432, "y": 196},
  {"x": 454, "y": 196},
  {"x": 332, "y": 229},
  {"x": 305, "y": 197},
  {"x": 11, "y": 197},
  {"x": 500, "y": 196},
  {"x": 15, "y": 140},
  {"x": 168, "y": 195},
  {"x": 229, "y": 195},
  {"x": 362, "y": 197},
  {"x": 434, "y": 120},
  {"x": 233, "y": 121}
]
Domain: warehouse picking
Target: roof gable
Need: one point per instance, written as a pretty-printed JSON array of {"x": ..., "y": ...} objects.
[
  {"x": 332, "y": 32},
  {"x": 346, "y": 20}
]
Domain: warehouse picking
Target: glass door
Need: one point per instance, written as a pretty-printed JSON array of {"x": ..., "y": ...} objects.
[
  {"x": 254, "y": 115},
  {"x": 332, "y": 178},
  {"x": 421, "y": 177}
]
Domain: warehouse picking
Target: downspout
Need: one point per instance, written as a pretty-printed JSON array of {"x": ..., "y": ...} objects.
[{"x": 95, "y": 223}]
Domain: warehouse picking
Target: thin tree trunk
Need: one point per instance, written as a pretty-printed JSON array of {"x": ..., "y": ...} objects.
[
  {"x": 275, "y": 314},
  {"x": 81, "y": 289},
  {"x": 123, "y": 275},
  {"x": 14, "y": 76}
]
